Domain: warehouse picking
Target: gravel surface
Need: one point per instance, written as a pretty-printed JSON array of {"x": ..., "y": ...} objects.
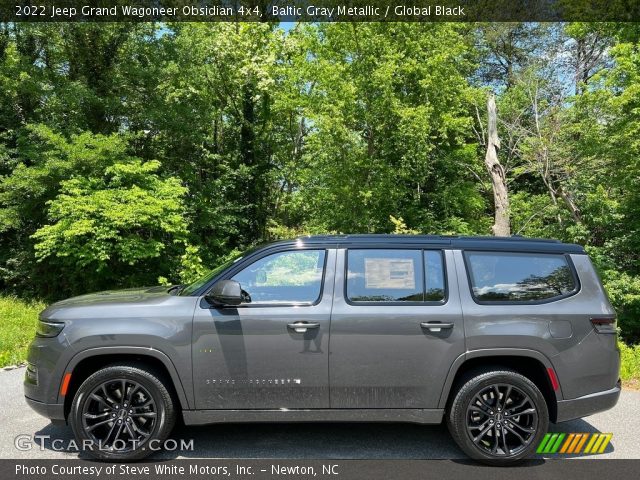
[{"x": 338, "y": 441}]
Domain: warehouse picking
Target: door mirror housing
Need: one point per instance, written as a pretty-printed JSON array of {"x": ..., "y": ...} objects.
[{"x": 225, "y": 293}]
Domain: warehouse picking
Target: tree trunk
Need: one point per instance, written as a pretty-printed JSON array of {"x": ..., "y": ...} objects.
[{"x": 501, "y": 225}]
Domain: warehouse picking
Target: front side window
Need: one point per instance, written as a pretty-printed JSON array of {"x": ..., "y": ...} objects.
[
  {"x": 519, "y": 277},
  {"x": 293, "y": 277},
  {"x": 394, "y": 276}
]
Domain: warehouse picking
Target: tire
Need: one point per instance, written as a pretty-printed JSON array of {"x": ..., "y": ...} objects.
[
  {"x": 119, "y": 427},
  {"x": 478, "y": 413}
]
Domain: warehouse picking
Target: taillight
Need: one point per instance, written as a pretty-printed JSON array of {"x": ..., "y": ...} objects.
[{"x": 604, "y": 324}]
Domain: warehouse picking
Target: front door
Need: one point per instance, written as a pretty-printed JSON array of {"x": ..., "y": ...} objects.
[
  {"x": 270, "y": 352},
  {"x": 396, "y": 327}
]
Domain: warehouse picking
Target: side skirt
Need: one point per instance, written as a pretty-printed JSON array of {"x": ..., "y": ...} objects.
[{"x": 405, "y": 415}]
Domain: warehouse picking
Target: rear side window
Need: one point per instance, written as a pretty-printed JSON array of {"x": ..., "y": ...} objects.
[
  {"x": 519, "y": 277},
  {"x": 395, "y": 276}
]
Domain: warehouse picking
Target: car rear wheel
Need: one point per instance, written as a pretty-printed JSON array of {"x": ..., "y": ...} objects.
[
  {"x": 498, "y": 417},
  {"x": 122, "y": 413}
]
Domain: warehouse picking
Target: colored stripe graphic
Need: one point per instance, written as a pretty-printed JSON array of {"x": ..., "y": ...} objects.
[
  {"x": 594, "y": 437},
  {"x": 600, "y": 443},
  {"x": 605, "y": 442},
  {"x": 582, "y": 442},
  {"x": 596, "y": 445},
  {"x": 543, "y": 443},
  {"x": 550, "y": 443},
  {"x": 556, "y": 445},
  {"x": 579, "y": 439},
  {"x": 568, "y": 442},
  {"x": 573, "y": 443}
]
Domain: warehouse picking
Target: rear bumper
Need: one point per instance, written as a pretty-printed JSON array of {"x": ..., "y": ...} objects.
[
  {"x": 588, "y": 404},
  {"x": 53, "y": 411}
]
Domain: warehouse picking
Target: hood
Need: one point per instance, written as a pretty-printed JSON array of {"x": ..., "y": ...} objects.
[{"x": 129, "y": 296}]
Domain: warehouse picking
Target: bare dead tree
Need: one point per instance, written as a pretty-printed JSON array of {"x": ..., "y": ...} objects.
[{"x": 501, "y": 225}]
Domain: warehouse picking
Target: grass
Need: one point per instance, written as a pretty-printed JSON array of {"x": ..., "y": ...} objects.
[
  {"x": 630, "y": 365},
  {"x": 18, "y": 326},
  {"x": 19, "y": 318}
]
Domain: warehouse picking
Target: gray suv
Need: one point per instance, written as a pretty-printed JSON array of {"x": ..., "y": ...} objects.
[{"x": 497, "y": 336}]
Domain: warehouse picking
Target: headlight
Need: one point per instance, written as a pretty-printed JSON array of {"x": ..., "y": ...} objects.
[{"x": 48, "y": 329}]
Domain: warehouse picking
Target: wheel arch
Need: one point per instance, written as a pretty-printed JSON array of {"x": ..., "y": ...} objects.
[
  {"x": 83, "y": 364},
  {"x": 530, "y": 363}
]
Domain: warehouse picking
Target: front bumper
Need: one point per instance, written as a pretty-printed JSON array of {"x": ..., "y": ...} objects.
[
  {"x": 587, "y": 404},
  {"x": 53, "y": 411}
]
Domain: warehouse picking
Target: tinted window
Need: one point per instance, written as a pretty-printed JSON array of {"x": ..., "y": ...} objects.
[
  {"x": 434, "y": 276},
  {"x": 394, "y": 276},
  {"x": 284, "y": 277},
  {"x": 519, "y": 276}
]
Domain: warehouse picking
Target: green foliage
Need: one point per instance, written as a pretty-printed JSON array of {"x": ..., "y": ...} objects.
[
  {"x": 127, "y": 217},
  {"x": 629, "y": 361},
  {"x": 385, "y": 120},
  {"x": 399, "y": 227},
  {"x": 18, "y": 319},
  {"x": 624, "y": 293},
  {"x": 145, "y": 153},
  {"x": 149, "y": 153},
  {"x": 191, "y": 266}
]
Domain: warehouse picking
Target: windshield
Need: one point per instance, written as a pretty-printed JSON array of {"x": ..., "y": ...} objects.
[{"x": 189, "y": 289}]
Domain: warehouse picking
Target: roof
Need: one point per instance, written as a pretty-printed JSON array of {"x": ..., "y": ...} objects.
[{"x": 513, "y": 243}]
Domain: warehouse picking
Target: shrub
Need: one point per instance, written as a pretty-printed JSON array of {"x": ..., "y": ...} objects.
[
  {"x": 630, "y": 361},
  {"x": 18, "y": 319},
  {"x": 624, "y": 293}
]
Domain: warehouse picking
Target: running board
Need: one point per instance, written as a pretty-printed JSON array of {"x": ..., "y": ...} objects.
[{"x": 405, "y": 415}]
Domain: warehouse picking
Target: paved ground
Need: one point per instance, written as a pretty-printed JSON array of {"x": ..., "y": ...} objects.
[{"x": 337, "y": 441}]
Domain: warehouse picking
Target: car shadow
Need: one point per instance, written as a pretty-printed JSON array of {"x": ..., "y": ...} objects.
[{"x": 365, "y": 441}]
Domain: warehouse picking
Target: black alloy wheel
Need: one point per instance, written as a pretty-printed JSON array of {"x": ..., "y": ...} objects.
[
  {"x": 502, "y": 420},
  {"x": 119, "y": 415},
  {"x": 122, "y": 413},
  {"x": 498, "y": 417}
]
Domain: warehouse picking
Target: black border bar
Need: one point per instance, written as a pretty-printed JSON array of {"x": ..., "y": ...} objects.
[{"x": 319, "y": 10}]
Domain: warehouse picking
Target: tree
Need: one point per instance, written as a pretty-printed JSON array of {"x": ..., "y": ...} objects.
[
  {"x": 501, "y": 226},
  {"x": 385, "y": 123},
  {"x": 120, "y": 226}
]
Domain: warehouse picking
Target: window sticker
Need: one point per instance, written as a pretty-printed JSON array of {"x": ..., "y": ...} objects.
[{"x": 389, "y": 273}]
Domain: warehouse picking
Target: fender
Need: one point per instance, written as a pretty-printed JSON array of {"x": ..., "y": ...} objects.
[
  {"x": 142, "y": 351},
  {"x": 491, "y": 352}
]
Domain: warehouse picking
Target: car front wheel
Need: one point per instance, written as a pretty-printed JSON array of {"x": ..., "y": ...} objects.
[
  {"x": 122, "y": 413},
  {"x": 498, "y": 417}
]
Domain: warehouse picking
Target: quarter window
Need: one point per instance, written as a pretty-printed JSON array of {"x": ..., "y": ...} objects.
[
  {"x": 394, "y": 276},
  {"x": 284, "y": 277},
  {"x": 519, "y": 277}
]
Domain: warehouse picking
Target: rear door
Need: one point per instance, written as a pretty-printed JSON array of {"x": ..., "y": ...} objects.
[{"x": 387, "y": 348}]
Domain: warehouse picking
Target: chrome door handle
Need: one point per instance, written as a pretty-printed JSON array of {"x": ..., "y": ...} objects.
[
  {"x": 302, "y": 327},
  {"x": 436, "y": 326}
]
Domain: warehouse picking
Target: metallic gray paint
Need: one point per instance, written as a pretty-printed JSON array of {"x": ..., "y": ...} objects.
[
  {"x": 587, "y": 404},
  {"x": 584, "y": 362},
  {"x": 380, "y": 355},
  {"x": 407, "y": 415},
  {"x": 255, "y": 345},
  {"x": 363, "y": 362},
  {"x": 140, "y": 321}
]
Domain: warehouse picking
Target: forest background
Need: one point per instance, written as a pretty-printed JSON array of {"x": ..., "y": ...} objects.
[{"x": 144, "y": 153}]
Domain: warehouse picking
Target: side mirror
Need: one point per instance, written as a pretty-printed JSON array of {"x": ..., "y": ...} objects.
[{"x": 225, "y": 292}]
